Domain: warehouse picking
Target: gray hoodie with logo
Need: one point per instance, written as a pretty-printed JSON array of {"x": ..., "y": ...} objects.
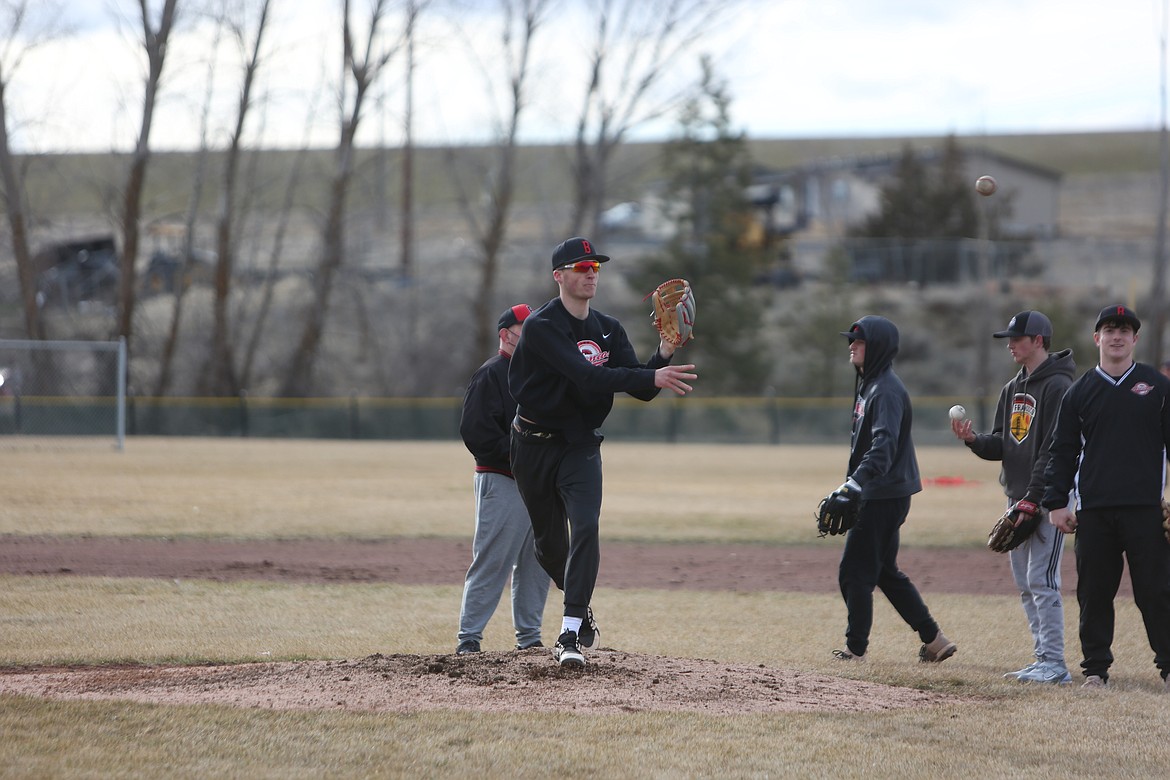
[{"x": 1025, "y": 418}]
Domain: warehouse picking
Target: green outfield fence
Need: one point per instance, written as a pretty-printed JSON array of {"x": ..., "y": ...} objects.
[
  {"x": 76, "y": 388},
  {"x": 754, "y": 420}
]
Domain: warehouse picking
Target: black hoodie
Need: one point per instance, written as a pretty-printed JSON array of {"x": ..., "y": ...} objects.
[{"x": 881, "y": 457}]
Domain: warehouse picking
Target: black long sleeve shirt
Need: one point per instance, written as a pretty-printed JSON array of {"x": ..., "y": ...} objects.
[
  {"x": 1110, "y": 441},
  {"x": 565, "y": 371}
]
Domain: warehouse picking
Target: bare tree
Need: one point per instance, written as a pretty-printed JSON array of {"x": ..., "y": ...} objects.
[
  {"x": 199, "y": 179},
  {"x": 406, "y": 236},
  {"x": 22, "y": 30},
  {"x": 636, "y": 45},
  {"x": 260, "y": 312},
  {"x": 363, "y": 69},
  {"x": 154, "y": 42},
  {"x": 489, "y": 226},
  {"x": 220, "y": 377}
]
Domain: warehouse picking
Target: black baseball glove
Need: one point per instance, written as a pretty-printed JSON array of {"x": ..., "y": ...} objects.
[
  {"x": 1018, "y": 523},
  {"x": 837, "y": 512}
]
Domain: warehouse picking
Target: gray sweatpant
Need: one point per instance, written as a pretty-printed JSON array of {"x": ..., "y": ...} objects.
[
  {"x": 1036, "y": 571},
  {"x": 502, "y": 548}
]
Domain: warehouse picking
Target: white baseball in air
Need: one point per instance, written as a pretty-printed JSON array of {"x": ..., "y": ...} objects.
[
  {"x": 957, "y": 412},
  {"x": 985, "y": 185}
]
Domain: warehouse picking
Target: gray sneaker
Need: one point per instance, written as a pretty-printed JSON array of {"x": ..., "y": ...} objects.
[
  {"x": 1094, "y": 681},
  {"x": 848, "y": 655},
  {"x": 1053, "y": 672},
  {"x": 1025, "y": 670}
]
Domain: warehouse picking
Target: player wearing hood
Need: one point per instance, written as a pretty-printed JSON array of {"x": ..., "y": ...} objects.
[{"x": 882, "y": 476}]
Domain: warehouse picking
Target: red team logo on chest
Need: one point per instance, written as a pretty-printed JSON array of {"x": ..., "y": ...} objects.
[
  {"x": 1023, "y": 413},
  {"x": 1141, "y": 388},
  {"x": 593, "y": 352}
]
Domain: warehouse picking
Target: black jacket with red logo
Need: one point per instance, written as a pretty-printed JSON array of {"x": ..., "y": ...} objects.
[
  {"x": 881, "y": 454},
  {"x": 1025, "y": 418},
  {"x": 565, "y": 371}
]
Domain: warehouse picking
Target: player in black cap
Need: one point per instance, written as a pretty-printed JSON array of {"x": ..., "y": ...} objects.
[
  {"x": 1108, "y": 456},
  {"x": 1025, "y": 417},
  {"x": 570, "y": 361}
]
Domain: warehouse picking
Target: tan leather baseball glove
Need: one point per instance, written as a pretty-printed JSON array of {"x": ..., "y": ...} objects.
[{"x": 674, "y": 311}]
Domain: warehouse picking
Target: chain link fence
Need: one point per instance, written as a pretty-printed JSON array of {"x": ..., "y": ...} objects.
[
  {"x": 63, "y": 388},
  {"x": 726, "y": 420}
]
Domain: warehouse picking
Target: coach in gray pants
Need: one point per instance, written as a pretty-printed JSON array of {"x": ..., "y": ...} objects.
[{"x": 503, "y": 544}]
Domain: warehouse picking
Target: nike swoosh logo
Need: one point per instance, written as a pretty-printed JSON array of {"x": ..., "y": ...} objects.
[{"x": 605, "y": 335}]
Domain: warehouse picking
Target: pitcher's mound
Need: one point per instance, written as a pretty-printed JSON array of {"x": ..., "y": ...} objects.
[{"x": 527, "y": 681}]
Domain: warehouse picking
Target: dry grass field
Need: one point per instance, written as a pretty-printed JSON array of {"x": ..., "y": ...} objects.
[
  {"x": 216, "y": 487},
  {"x": 766, "y": 699}
]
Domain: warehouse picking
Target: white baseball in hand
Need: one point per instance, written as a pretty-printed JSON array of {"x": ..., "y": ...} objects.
[{"x": 957, "y": 412}]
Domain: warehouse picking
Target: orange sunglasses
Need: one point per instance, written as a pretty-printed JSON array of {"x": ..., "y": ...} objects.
[{"x": 581, "y": 266}]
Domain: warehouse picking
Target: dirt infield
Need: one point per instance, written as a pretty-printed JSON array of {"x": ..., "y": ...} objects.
[
  {"x": 735, "y": 567},
  {"x": 528, "y": 681}
]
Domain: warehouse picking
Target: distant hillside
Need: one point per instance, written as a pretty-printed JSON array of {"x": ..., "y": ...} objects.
[
  {"x": 61, "y": 185},
  {"x": 1070, "y": 153}
]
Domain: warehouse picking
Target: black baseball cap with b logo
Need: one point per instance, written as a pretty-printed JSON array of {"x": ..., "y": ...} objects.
[{"x": 574, "y": 250}]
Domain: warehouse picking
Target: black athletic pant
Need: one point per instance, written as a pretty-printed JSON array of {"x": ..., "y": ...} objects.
[
  {"x": 1103, "y": 537},
  {"x": 560, "y": 484},
  {"x": 870, "y": 560}
]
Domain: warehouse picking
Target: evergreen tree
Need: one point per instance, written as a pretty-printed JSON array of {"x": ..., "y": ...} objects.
[
  {"x": 929, "y": 213},
  {"x": 922, "y": 202},
  {"x": 708, "y": 169}
]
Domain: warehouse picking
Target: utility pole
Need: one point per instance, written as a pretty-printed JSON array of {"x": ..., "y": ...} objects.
[{"x": 1158, "y": 287}]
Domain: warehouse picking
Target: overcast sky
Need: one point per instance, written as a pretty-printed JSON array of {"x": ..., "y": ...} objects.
[{"x": 795, "y": 68}]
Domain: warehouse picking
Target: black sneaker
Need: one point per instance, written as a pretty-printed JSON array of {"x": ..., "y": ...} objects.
[
  {"x": 466, "y": 647},
  {"x": 590, "y": 634},
  {"x": 568, "y": 651},
  {"x": 531, "y": 645}
]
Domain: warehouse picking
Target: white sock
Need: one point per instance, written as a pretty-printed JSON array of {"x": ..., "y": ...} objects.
[{"x": 571, "y": 624}]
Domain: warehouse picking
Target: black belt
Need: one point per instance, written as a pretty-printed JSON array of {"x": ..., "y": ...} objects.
[{"x": 525, "y": 428}]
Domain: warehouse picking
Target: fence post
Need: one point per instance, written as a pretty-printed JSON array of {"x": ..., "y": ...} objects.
[
  {"x": 243, "y": 407},
  {"x": 120, "y": 382},
  {"x": 773, "y": 416}
]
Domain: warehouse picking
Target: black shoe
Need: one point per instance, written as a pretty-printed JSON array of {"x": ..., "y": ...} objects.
[
  {"x": 466, "y": 647},
  {"x": 537, "y": 643},
  {"x": 590, "y": 634},
  {"x": 568, "y": 651}
]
